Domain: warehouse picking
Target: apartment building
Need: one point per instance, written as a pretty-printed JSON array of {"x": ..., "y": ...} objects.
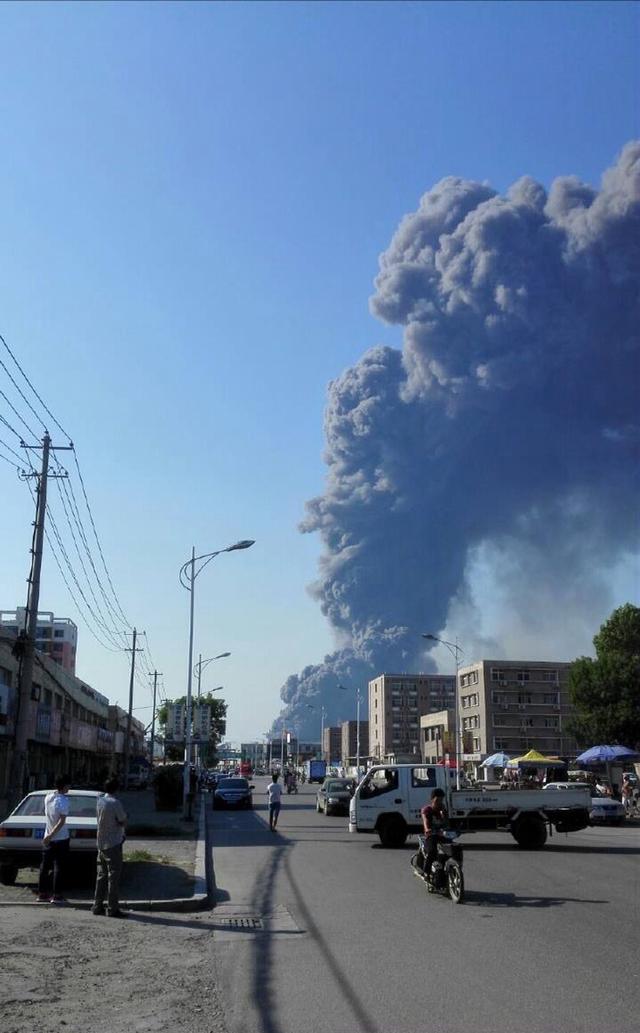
[
  {"x": 396, "y": 704},
  {"x": 349, "y": 743},
  {"x": 332, "y": 744},
  {"x": 515, "y": 706},
  {"x": 57, "y": 637}
]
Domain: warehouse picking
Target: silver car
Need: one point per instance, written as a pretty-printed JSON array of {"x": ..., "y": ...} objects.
[
  {"x": 22, "y": 832},
  {"x": 605, "y": 810}
]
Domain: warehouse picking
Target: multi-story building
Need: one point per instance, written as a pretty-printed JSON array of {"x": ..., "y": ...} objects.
[
  {"x": 257, "y": 753},
  {"x": 55, "y": 636},
  {"x": 349, "y": 745},
  {"x": 438, "y": 736},
  {"x": 332, "y": 744},
  {"x": 71, "y": 727},
  {"x": 396, "y": 704},
  {"x": 515, "y": 706}
]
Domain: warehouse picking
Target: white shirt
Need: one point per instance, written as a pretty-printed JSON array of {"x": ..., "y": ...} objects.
[
  {"x": 274, "y": 792},
  {"x": 55, "y": 805}
]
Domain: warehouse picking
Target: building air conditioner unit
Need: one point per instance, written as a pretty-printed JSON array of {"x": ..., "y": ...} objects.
[{"x": 503, "y": 683}]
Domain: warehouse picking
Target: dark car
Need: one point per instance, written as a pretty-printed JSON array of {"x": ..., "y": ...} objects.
[
  {"x": 334, "y": 795},
  {"x": 233, "y": 792}
]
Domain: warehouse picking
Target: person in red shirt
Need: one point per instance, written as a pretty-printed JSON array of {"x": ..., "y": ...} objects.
[{"x": 434, "y": 821}]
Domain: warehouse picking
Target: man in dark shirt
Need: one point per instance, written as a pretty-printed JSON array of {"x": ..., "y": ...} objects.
[{"x": 434, "y": 820}]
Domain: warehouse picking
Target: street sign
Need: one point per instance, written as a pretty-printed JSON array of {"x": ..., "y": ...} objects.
[{"x": 176, "y": 713}]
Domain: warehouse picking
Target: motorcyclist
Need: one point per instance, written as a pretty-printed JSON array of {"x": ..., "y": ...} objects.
[{"x": 434, "y": 822}]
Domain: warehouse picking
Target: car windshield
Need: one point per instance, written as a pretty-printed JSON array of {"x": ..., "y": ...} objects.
[
  {"x": 235, "y": 783},
  {"x": 79, "y": 807},
  {"x": 338, "y": 787}
]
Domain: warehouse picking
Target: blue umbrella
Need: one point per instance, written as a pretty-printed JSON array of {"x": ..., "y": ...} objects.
[
  {"x": 496, "y": 760},
  {"x": 606, "y": 755}
]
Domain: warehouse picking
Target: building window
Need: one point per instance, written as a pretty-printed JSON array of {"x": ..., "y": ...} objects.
[
  {"x": 497, "y": 674},
  {"x": 522, "y": 675},
  {"x": 5, "y": 676}
]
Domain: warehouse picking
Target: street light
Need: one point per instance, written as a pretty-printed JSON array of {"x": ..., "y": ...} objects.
[
  {"x": 455, "y": 651},
  {"x": 358, "y": 700},
  {"x": 188, "y": 574},
  {"x": 201, "y": 664}
]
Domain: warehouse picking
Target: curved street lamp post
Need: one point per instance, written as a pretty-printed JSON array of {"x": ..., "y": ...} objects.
[
  {"x": 188, "y": 574},
  {"x": 456, "y": 652},
  {"x": 345, "y": 688}
]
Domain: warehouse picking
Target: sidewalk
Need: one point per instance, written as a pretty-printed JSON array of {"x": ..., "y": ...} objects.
[{"x": 165, "y": 863}]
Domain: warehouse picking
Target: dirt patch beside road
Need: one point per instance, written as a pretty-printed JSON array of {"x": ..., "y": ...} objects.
[{"x": 72, "y": 971}]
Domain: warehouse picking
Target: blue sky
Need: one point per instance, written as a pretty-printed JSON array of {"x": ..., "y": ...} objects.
[{"x": 193, "y": 199}]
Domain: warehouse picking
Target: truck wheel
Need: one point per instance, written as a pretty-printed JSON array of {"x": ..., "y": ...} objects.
[
  {"x": 530, "y": 833},
  {"x": 8, "y": 874},
  {"x": 392, "y": 831}
]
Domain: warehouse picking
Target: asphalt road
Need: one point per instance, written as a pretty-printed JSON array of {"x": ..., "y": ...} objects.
[{"x": 350, "y": 940}]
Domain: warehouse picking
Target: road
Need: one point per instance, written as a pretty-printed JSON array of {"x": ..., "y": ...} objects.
[{"x": 351, "y": 943}]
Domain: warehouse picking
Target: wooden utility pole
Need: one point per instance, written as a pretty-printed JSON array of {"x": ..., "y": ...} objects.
[
  {"x": 127, "y": 744},
  {"x": 153, "y": 720},
  {"x": 27, "y": 638}
]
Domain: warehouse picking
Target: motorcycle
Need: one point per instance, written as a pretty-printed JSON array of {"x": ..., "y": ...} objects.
[{"x": 445, "y": 876}]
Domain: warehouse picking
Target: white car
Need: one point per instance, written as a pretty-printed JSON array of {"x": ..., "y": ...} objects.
[
  {"x": 604, "y": 809},
  {"x": 22, "y": 832}
]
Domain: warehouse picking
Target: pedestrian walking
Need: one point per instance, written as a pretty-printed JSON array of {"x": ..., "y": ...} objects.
[
  {"x": 112, "y": 820},
  {"x": 627, "y": 795},
  {"x": 274, "y": 792},
  {"x": 55, "y": 843}
]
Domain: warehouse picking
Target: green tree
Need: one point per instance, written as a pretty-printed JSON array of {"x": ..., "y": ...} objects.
[
  {"x": 208, "y": 754},
  {"x": 605, "y": 692}
]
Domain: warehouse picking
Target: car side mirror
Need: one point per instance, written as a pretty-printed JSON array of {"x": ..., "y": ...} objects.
[{"x": 252, "y": 787}]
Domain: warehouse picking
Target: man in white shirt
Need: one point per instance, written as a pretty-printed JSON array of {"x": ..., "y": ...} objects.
[
  {"x": 274, "y": 792},
  {"x": 112, "y": 819},
  {"x": 55, "y": 844}
]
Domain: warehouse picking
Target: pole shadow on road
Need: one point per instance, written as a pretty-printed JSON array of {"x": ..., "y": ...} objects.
[
  {"x": 254, "y": 831},
  {"x": 474, "y": 898},
  {"x": 555, "y": 847}
]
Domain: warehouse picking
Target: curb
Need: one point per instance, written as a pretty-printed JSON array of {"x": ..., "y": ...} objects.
[{"x": 197, "y": 902}]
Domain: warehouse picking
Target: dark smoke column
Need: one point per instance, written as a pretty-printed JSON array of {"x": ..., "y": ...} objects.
[{"x": 508, "y": 424}]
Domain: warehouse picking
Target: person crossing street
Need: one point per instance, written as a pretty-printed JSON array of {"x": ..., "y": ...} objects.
[{"x": 274, "y": 792}]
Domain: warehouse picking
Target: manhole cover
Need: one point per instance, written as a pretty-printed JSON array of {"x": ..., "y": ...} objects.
[{"x": 241, "y": 923}]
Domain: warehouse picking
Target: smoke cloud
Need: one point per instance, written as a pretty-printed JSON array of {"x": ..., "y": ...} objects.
[{"x": 500, "y": 444}]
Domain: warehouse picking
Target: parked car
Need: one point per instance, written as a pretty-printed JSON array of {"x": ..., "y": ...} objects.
[
  {"x": 22, "y": 832},
  {"x": 604, "y": 809},
  {"x": 334, "y": 795},
  {"x": 233, "y": 792}
]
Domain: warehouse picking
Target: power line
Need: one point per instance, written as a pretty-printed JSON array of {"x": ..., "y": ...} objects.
[
  {"x": 21, "y": 418},
  {"x": 42, "y": 403},
  {"x": 95, "y": 532}
]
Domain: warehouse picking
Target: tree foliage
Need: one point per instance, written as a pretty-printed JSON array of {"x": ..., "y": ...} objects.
[
  {"x": 605, "y": 692},
  {"x": 218, "y": 706}
]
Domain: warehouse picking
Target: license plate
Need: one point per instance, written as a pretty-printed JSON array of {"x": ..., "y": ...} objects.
[{"x": 38, "y": 833}]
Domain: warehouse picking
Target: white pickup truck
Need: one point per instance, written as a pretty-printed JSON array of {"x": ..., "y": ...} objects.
[{"x": 389, "y": 798}]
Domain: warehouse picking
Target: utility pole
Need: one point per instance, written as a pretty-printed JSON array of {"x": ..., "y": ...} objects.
[
  {"x": 28, "y": 636},
  {"x": 153, "y": 721},
  {"x": 127, "y": 744}
]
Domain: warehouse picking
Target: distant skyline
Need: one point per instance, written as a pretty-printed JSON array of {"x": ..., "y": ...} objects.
[{"x": 194, "y": 200}]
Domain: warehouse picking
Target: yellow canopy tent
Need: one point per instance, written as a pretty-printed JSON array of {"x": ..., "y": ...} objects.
[{"x": 536, "y": 760}]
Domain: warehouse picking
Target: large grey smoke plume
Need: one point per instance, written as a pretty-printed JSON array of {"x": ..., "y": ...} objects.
[{"x": 506, "y": 430}]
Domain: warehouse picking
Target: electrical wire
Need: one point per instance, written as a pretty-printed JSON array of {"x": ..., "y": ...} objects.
[{"x": 42, "y": 403}]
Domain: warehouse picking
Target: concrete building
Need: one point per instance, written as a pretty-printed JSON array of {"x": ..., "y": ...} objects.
[
  {"x": 349, "y": 743},
  {"x": 515, "y": 706},
  {"x": 72, "y": 728},
  {"x": 332, "y": 744},
  {"x": 396, "y": 704},
  {"x": 55, "y": 636},
  {"x": 257, "y": 753},
  {"x": 438, "y": 736}
]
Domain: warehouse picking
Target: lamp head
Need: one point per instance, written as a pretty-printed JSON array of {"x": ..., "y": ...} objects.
[{"x": 246, "y": 543}]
